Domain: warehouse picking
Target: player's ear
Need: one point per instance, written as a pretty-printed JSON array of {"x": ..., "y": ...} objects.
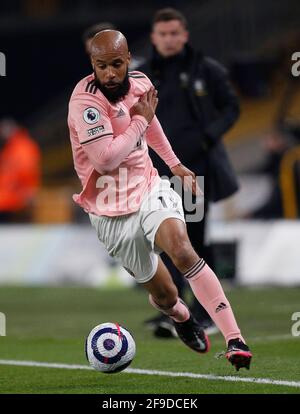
[
  {"x": 128, "y": 58},
  {"x": 92, "y": 62}
]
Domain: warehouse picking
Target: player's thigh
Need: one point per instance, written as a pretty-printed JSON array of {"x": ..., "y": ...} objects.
[
  {"x": 161, "y": 285},
  {"x": 136, "y": 255},
  {"x": 124, "y": 240},
  {"x": 172, "y": 238},
  {"x": 163, "y": 203},
  {"x": 172, "y": 234}
]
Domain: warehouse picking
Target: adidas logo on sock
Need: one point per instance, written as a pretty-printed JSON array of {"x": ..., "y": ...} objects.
[
  {"x": 120, "y": 113},
  {"x": 220, "y": 307}
]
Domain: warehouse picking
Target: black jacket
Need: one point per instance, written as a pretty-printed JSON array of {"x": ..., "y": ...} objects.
[{"x": 200, "y": 93}]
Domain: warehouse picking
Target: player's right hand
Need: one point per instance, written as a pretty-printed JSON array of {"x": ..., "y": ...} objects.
[{"x": 146, "y": 106}]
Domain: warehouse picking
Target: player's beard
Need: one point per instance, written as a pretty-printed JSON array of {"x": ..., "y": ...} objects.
[{"x": 114, "y": 95}]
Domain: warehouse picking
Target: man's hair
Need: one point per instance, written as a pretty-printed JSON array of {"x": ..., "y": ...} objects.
[
  {"x": 90, "y": 32},
  {"x": 168, "y": 14}
]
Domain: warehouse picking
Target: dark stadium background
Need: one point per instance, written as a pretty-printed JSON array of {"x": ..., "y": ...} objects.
[
  {"x": 41, "y": 39},
  {"x": 56, "y": 282}
]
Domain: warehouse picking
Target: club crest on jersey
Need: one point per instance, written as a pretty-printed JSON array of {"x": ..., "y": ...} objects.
[{"x": 91, "y": 115}]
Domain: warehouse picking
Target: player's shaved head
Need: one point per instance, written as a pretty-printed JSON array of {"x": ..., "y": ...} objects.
[
  {"x": 110, "y": 60},
  {"x": 109, "y": 42}
]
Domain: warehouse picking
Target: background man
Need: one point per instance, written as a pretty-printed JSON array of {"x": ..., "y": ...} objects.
[{"x": 197, "y": 105}]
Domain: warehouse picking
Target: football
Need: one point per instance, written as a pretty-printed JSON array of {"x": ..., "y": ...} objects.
[{"x": 110, "y": 348}]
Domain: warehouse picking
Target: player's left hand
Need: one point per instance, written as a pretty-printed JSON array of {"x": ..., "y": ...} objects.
[{"x": 188, "y": 179}]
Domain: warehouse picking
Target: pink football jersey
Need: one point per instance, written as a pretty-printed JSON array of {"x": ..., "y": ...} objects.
[{"x": 110, "y": 149}]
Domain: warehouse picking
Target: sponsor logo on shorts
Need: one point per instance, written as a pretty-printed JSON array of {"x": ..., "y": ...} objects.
[{"x": 95, "y": 131}]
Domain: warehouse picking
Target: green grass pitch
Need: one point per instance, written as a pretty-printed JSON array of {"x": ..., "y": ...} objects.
[{"x": 50, "y": 325}]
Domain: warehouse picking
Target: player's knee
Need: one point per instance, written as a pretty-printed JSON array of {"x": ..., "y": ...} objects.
[{"x": 182, "y": 254}]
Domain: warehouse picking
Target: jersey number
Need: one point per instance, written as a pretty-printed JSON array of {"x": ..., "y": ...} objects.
[{"x": 161, "y": 199}]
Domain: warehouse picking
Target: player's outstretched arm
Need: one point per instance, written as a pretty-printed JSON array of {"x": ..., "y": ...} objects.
[{"x": 158, "y": 141}]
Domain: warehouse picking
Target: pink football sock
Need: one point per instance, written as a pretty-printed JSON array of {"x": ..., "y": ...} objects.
[
  {"x": 179, "y": 312},
  {"x": 210, "y": 294}
]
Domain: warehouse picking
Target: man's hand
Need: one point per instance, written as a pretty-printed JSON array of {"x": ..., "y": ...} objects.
[
  {"x": 146, "y": 106},
  {"x": 188, "y": 179}
]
